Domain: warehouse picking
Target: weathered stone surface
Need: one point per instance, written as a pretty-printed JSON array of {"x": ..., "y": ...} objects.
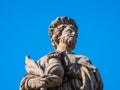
[{"x": 61, "y": 69}]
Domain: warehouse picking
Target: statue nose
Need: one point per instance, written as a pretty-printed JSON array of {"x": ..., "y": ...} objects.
[{"x": 73, "y": 33}]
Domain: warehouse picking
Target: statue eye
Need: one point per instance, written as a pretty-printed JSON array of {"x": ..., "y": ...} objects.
[{"x": 69, "y": 31}]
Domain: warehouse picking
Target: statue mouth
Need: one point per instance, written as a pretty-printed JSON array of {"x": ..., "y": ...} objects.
[{"x": 71, "y": 36}]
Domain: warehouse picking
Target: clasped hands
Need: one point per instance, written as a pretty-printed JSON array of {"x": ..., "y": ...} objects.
[{"x": 38, "y": 83}]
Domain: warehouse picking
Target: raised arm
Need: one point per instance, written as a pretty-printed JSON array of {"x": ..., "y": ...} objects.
[{"x": 51, "y": 77}]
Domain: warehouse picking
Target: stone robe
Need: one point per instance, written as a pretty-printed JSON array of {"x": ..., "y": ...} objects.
[{"x": 77, "y": 74}]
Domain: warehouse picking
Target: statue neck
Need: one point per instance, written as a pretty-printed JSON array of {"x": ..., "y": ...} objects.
[{"x": 62, "y": 47}]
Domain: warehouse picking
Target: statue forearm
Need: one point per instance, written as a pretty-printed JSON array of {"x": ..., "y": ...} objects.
[
  {"x": 36, "y": 82},
  {"x": 52, "y": 80}
]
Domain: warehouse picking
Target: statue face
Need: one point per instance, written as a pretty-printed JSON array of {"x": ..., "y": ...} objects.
[{"x": 69, "y": 36}]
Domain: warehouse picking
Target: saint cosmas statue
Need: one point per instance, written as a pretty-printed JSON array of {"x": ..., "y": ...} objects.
[{"x": 61, "y": 69}]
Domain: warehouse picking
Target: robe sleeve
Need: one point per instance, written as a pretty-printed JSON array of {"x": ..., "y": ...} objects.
[
  {"x": 90, "y": 75},
  {"x": 52, "y": 72}
]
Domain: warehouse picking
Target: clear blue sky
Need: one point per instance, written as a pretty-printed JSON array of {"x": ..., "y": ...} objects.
[{"x": 24, "y": 30}]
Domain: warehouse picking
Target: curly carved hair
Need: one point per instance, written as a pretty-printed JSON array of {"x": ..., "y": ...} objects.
[{"x": 55, "y": 32}]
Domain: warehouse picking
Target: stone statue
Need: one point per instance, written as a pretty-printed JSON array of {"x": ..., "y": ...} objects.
[{"x": 61, "y": 69}]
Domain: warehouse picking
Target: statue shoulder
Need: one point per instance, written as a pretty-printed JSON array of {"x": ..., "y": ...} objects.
[
  {"x": 85, "y": 61},
  {"x": 45, "y": 61},
  {"x": 81, "y": 57},
  {"x": 42, "y": 61}
]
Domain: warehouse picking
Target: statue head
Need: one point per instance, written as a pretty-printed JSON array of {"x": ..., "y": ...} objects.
[{"x": 63, "y": 29}]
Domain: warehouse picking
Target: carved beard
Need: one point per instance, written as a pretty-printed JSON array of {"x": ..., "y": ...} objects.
[{"x": 70, "y": 42}]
